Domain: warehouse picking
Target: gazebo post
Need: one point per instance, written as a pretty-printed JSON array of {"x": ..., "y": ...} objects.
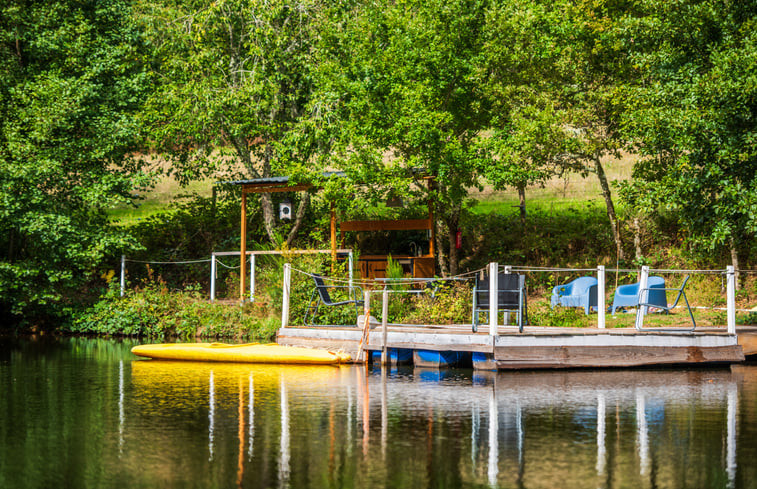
[{"x": 243, "y": 248}]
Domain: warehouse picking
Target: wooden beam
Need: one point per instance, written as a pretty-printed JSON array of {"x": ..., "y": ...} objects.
[
  {"x": 243, "y": 249},
  {"x": 333, "y": 234},
  {"x": 273, "y": 187},
  {"x": 387, "y": 225},
  {"x": 432, "y": 238}
]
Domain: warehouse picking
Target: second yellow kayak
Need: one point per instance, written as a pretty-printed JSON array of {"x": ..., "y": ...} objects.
[{"x": 247, "y": 353}]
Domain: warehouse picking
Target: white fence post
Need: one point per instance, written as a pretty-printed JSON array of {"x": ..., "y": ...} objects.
[
  {"x": 349, "y": 268},
  {"x": 731, "y": 299},
  {"x": 643, "y": 297},
  {"x": 493, "y": 296},
  {"x": 212, "y": 277},
  {"x": 601, "y": 308},
  {"x": 384, "y": 325},
  {"x": 287, "y": 288},
  {"x": 123, "y": 274},
  {"x": 252, "y": 277}
]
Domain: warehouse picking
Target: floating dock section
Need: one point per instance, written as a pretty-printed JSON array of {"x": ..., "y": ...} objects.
[{"x": 534, "y": 348}]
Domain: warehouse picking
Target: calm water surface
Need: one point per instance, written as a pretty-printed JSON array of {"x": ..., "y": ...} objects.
[{"x": 86, "y": 413}]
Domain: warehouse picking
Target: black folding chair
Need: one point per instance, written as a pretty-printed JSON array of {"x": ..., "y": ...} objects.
[
  {"x": 511, "y": 297},
  {"x": 320, "y": 295},
  {"x": 666, "y": 308}
]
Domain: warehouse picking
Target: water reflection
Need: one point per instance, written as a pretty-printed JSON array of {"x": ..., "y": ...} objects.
[{"x": 221, "y": 425}]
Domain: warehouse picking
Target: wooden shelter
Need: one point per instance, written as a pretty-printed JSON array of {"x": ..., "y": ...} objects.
[{"x": 371, "y": 266}]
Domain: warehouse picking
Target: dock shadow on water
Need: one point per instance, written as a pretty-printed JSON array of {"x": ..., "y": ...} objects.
[{"x": 86, "y": 413}]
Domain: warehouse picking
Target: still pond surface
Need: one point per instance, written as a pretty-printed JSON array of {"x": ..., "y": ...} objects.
[{"x": 85, "y": 413}]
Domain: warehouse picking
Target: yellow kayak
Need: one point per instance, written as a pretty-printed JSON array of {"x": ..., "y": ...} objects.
[{"x": 247, "y": 353}]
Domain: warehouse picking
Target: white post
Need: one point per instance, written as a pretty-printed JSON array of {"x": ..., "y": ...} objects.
[
  {"x": 287, "y": 288},
  {"x": 601, "y": 308},
  {"x": 123, "y": 274},
  {"x": 384, "y": 325},
  {"x": 252, "y": 277},
  {"x": 212, "y": 277},
  {"x": 731, "y": 299},
  {"x": 493, "y": 296},
  {"x": 349, "y": 268},
  {"x": 643, "y": 297}
]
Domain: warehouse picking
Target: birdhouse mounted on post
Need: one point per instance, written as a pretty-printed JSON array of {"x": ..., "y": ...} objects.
[{"x": 285, "y": 209}]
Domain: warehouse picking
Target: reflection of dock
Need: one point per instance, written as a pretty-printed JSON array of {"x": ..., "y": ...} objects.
[{"x": 536, "y": 347}]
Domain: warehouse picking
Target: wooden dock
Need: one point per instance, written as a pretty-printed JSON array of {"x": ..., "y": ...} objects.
[{"x": 535, "y": 348}]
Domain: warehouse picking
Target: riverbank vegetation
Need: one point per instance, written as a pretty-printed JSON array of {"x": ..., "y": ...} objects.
[{"x": 102, "y": 101}]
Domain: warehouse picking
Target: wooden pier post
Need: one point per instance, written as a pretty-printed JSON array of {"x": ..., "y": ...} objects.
[
  {"x": 252, "y": 277},
  {"x": 493, "y": 295},
  {"x": 731, "y": 299},
  {"x": 601, "y": 307},
  {"x": 287, "y": 288}
]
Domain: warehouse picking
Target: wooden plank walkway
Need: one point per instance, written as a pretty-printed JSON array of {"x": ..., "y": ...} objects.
[{"x": 541, "y": 347}]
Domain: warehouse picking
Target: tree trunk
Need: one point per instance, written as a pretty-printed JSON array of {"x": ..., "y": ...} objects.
[
  {"x": 269, "y": 219},
  {"x": 441, "y": 258},
  {"x": 453, "y": 223},
  {"x": 610, "y": 207},
  {"x": 522, "y": 204},
  {"x": 637, "y": 239},
  {"x": 735, "y": 262},
  {"x": 298, "y": 218}
]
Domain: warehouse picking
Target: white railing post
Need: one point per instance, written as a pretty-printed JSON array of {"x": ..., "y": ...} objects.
[
  {"x": 123, "y": 274},
  {"x": 384, "y": 325},
  {"x": 493, "y": 296},
  {"x": 731, "y": 299},
  {"x": 349, "y": 268},
  {"x": 643, "y": 297},
  {"x": 212, "y": 277},
  {"x": 252, "y": 277},
  {"x": 287, "y": 288},
  {"x": 601, "y": 308}
]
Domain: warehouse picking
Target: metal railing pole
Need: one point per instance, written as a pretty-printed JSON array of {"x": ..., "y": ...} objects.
[
  {"x": 601, "y": 297},
  {"x": 285, "y": 301},
  {"x": 731, "y": 299},
  {"x": 212, "y": 277},
  {"x": 123, "y": 274},
  {"x": 643, "y": 297},
  {"x": 493, "y": 295}
]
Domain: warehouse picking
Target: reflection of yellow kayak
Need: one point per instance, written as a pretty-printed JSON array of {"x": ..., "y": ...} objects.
[{"x": 248, "y": 353}]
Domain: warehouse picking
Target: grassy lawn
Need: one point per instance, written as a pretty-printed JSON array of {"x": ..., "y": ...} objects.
[{"x": 166, "y": 193}]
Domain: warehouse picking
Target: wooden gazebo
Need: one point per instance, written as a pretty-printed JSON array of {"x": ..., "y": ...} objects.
[{"x": 371, "y": 266}]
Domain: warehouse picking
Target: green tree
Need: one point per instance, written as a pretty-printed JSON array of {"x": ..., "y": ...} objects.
[
  {"x": 694, "y": 118},
  {"x": 402, "y": 77},
  {"x": 70, "y": 84},
  {"x": 234, "y": 89}
]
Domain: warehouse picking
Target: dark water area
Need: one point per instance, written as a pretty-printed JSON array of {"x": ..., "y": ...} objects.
[{"x": 86, "y": 413}]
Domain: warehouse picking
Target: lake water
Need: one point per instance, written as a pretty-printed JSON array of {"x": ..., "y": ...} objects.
[{"x": 85, "y": 413}]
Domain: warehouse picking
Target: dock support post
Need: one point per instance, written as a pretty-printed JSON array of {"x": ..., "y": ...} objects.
[
  {"x": 285, "y": 300},
  {"x": 252, "y": 277},
  {"x": 731, "y": 299},
  {"x": 601, "y": 297},
  {"x": 123, "y": 274},
  {"x": 212, "y": 277},
  {"x": 384, "y": 325},
  {"x": 493, "y": 294},
  {"x": 643, "y": 297}
]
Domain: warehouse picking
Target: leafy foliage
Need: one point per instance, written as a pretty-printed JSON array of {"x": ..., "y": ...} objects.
[{"x": 70, "y": 84}]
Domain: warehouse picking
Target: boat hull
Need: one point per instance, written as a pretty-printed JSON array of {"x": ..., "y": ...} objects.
[{"x": 247, "y": 353}]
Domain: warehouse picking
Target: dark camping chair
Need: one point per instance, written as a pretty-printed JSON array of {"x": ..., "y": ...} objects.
[
  {"x": 321, "y": 295},
  {"x": 511, "y": 297},
  {"x": 666, "y": 308}
]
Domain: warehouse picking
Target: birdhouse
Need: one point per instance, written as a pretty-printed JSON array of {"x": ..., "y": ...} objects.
[{"x": 285, "y": 209}]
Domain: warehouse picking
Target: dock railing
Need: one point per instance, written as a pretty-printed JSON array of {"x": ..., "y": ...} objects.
[{"x": 388, "y": 287}]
